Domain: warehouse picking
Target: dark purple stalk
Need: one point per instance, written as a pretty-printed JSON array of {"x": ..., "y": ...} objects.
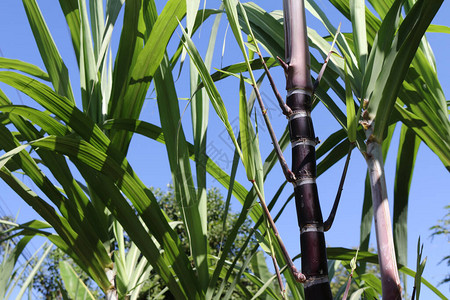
[{"x": 299, "y": 89}]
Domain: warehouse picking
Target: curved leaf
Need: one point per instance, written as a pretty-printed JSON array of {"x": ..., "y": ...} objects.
[
  {"x": 30, "y": 69},
  {"x": 142, "y": 199}
]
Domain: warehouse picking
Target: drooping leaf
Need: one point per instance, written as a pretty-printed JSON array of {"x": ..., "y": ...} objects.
[{"x": 30, "y": 69}]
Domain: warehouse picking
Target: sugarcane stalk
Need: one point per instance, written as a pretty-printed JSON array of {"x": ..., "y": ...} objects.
[
  {"x": 112, "y": 293},
  {"x": 299, "y": 90},
  {"x": 299, "y": 277},
  {"x": 390, "y": 280}
]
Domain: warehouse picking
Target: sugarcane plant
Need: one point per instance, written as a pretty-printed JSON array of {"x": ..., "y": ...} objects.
[
  {"x": 299, "y": 91},
  {"x": 316, "y": 275},
  {"x": 85, "y": 213},
  {"x": 348, "y": 66},
  {"x": 89, "y": 211},
  {"x": 378, "y": 79}
]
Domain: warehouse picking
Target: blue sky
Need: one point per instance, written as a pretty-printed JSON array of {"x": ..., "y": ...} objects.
[{"x": 149, "y": 158}]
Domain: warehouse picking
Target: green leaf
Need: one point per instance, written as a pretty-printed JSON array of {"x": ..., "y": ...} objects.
[
  {"x": 261, "y": 270},
  {"x": 14, "y": 64},
  {"x": 433, "y": 140},
  {"x": 200, "y": 120},
  {"x": 351, "y": 117},
  {"x": 211, "y": 89},
  {"x": 438, "y": 28},
  {"x": 357, "y": 12},
  {"x": 235, "y": 69},
  {"x": 232, "y": 14},
  {"x": 407, "y": 152},
  {"x": 90, "y": 85},
  {"x": 8, "y": 263},
  {"x": 226, "y": 74},
  {"x": 96, "y": 12},
  {"x": 194, "y": 216},
  {"x": 380, "y": 48},
  {"x": 127, "y": 103},
  {"x": 68, "y": 238},
  {"x": 246, "y": 134},
  {"x": 334, "y": 156},
  {"x": 85, "y": 233},
  {"x": 341, "y": 42},
  {"x": 394, "y": 69},
  {"x": 10, "y": 154},
  {"x": 129, "y": 48},
  {"x": 372, "y": 281},
  {"x": 29, "y": 279},
  {"x": 364, "y": 256},
  {"x": 42, "y": 119},
  {"x": 113, "y": 7},
  {"x": 331, "y": 142},
  {"x": 73, "y": 284},
  {"x": 72, "y": 14},
  {"x": 142, "y": 199},
  {"x": 155, "y": 132},
  {"x": 366, "y": 222},
  {"x": 153, "y": 52},
  {"x": 111, "y": 196},
  {"x": 53, "y": 62},
  {"x": 420, "y": 266},
  {"x": 265, "y": 28}
]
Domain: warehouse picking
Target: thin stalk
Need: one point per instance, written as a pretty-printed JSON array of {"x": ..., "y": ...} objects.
[
  {"x": 299, "y": 91},
  {"x": 284, "y": 166},
  {"x": 275, "y": 264},
  {"x": 297, "y": 275},
  {"x": 390, "y": 280},
  {"x": 284, "y": 108}
]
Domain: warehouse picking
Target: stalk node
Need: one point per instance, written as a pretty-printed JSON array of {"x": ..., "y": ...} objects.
[
  {"x": 365, "y": 115},
  {"x": 367, "y": 155},
  {"x": 372, "y": 139}
]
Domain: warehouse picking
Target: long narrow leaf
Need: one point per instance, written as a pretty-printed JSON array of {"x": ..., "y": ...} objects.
[
  {"x": 14, "y": 64},
  {"x": 408, "y": 147},
  {"x": 54, "y": 64},
  {"x": 178, "y": 154}
]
